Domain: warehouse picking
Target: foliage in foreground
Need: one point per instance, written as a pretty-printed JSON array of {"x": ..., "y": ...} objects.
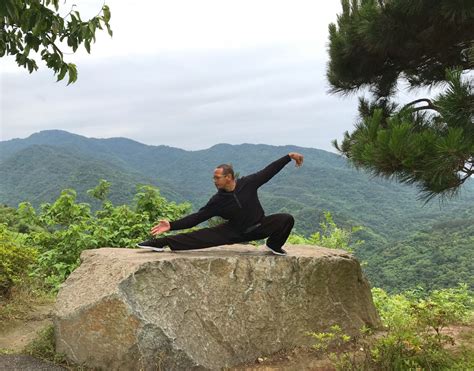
[
  {"x": 433, "y": 150},
  {"x": 58, "y": 233},
  {"x": 413, "y": 335},
  {"x": 14, "y": 261},
  {"x": 331, "y": 236},
  {"x": 374, "y": 45},
  {"x": 37, "y": 25}
]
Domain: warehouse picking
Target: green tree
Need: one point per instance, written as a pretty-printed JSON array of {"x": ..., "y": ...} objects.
[
  {"x": 149, "y": 202},
  {"x": 36, "y": 25},
  {"x": 100, "y": 191},
  {"x": 374, "y": 45},
  {"x": 331, "y": 236}
]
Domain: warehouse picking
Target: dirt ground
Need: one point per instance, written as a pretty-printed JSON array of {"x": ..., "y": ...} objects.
[
  {"x": 18, "y": 334},
  {"x": 298, "y": 359}
]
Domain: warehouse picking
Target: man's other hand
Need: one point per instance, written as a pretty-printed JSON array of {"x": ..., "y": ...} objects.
[
  {"x": 161, "y": 227},
  {"x": 297, "y": 157}
]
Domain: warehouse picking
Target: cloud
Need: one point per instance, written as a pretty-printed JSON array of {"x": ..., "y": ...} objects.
[
  {"x": 191, "y": 100},
  {"x": 190, "y": 75}
]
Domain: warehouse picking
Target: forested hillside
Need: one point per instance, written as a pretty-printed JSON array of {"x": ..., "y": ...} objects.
[
  {"x": 38, "y": 173},
  {"x": 437, "y": 256}
]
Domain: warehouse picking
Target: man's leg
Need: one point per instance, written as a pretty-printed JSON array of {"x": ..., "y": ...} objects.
[
  {"x": 202, "y": 238},
  {"x": 277, "y": 228}
]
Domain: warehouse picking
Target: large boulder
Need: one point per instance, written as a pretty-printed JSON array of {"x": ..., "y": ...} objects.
[{"x": 127, "y": 309}]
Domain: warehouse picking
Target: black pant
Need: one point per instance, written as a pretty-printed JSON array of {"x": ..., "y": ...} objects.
[{"x": 276, "y": 227}]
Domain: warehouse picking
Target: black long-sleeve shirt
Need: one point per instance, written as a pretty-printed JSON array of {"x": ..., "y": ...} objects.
[{"x": 241, "y": 207}]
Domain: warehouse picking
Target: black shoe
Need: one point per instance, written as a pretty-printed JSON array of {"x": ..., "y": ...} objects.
[
  {"x": 277, "y": 250},
  {"x": 151, "y": 245}
]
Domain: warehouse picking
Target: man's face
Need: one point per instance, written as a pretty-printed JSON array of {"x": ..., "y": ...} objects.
[{"x": 220, "y": 180}]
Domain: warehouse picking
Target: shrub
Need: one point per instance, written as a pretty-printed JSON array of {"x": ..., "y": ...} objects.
[
  {"x": 413, "y": 337},
  {"x": 65, "y": 228},
  {"x": 15, "y": 260},
  {"x": 331, "y": 236},
  {"x": 414, "y": 323}
]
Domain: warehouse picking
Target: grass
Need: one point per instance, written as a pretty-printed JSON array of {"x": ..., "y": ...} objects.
[
  {"x": 463, "y": 353},
  {"x": 23, "y": 297},
  {"x": 43, "y": 346}
]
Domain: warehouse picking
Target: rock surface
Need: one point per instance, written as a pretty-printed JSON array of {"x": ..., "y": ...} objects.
[{"x": 127, "y": 309}]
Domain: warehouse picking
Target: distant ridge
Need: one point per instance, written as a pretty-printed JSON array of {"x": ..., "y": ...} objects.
[
  {"x": 37, "y": 168},
  {"x": 325, "y": 182}
]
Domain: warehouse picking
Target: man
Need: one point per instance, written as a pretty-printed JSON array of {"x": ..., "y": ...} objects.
[{"x": 236, "y": 201}]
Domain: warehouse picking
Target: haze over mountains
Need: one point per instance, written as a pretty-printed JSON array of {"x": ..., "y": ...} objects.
[{"x": 37, "y": 168}]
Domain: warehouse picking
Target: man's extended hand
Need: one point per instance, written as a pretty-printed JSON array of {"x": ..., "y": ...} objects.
[
  {"x": 297, "y": 157},
  {"x": 161, "y": 227}
]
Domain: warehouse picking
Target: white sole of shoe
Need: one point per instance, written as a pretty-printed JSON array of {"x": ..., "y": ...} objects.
[
  {"x": 151, "y": 248},
  {"x": 275, "y": 252}
]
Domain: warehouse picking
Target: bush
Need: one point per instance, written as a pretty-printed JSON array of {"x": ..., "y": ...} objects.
[
  {"x": 413, "y": 338},
  {"x": 414, "y": 323},
  {"x": 15, "y": 260},
  {"x": 65, "y": 228},
  {"x": 331, "y": 236}
]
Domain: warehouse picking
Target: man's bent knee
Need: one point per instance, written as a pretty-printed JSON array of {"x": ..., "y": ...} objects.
[{"x": 289, "y": 219}]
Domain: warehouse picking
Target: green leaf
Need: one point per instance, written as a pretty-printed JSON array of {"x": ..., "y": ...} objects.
[
  {"x": 87, "y": 45},
  {"x": 107, "y": 14},
  {"x": 91, "y": 26},
  {"x": 33, "y": 16},
  {"x": 12, "y": 10},
  {"x": 109, "y": 30},
  {"x": 64, "y": 69},
  {"x": 72, "y": 73},
  {"x": 29, "y": 24},
  {"x": 77, "y": 15}
]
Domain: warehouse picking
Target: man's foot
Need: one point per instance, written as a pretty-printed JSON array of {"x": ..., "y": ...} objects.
[
  {"x": 152, "y": 244},
  {"x": 277, "y": 250}
]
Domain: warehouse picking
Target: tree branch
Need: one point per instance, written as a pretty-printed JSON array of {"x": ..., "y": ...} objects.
[
  {"x": 466, "y": 177},
  {"x": 418, "y": 101},
  {"x": 469, "y": 170},
  {"x": 68, "y": 14},
  {"x": 54, "y": 46},
  {"x": 429, "y": 105}
]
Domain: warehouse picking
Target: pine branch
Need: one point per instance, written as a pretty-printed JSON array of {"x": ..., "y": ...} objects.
[{"x": 429, "y": 105}]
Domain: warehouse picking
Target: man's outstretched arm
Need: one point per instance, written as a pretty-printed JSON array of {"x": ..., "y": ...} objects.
[
  {"x": 189, "y": 221},
  {"x": 264, "y": 175}
]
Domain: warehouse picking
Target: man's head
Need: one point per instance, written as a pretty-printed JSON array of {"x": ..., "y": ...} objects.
[{"x": 224, "y": 177}]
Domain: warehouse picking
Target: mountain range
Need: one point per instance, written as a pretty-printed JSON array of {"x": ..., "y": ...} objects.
[{"x": 37, "y": 168}]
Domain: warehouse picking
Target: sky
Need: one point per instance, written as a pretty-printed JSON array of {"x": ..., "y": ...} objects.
[{"x": 190, "y": 74}]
